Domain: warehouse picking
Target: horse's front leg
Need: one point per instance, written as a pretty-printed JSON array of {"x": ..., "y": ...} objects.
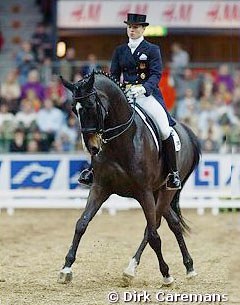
[{"x": 95, "y": 199}]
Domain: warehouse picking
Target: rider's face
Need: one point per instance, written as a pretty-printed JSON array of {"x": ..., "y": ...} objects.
[{"x": 135, "y": 31}]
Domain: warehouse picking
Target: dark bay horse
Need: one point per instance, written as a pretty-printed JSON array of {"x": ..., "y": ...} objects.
[{"x": 126, "y": 162}]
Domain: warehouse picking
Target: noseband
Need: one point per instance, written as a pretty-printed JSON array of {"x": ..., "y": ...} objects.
[{"x": 108, "y": 134}]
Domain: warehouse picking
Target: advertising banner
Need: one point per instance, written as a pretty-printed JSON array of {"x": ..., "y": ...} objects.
[{"x": 170, "y": 14}]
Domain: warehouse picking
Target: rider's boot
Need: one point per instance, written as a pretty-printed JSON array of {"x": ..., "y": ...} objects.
[
  {"x": 173, "y": 179},
  {"x": 86, "y": 176}
]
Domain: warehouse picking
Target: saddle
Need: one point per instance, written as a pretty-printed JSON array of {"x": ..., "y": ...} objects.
[{"x": 153, "y": 127}]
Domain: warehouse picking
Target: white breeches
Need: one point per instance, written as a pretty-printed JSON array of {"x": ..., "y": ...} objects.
[{"x": 154, "y": 108}]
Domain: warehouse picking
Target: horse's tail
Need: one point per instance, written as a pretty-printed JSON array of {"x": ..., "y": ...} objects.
[{"x": 196, "y": 158}]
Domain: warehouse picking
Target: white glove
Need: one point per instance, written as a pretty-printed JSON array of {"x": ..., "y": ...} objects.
[{"x": 137, "y": 91}]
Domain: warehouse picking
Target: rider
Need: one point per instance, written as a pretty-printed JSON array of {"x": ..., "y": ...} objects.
[{"x": 140, "y": 63}]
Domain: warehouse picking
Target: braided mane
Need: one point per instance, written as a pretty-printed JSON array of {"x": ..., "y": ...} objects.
[{"x": 109, "y": 76}]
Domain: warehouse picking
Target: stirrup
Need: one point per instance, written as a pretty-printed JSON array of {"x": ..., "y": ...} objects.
[
  {"x": 86, "y": 177},
  {"x": 173, "y": 181}
]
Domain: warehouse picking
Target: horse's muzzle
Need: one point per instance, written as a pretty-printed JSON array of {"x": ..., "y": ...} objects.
[{"x": 94, "y": 144}]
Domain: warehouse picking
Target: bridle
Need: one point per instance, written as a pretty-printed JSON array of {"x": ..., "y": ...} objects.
[{"x": 108, "y": 134}]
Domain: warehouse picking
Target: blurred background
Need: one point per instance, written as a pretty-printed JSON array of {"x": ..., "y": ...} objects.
[{"x": 42, "y": 39}]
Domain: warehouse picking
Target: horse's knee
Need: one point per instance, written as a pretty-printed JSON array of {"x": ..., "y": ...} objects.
[{"x": 153, "y": 237}]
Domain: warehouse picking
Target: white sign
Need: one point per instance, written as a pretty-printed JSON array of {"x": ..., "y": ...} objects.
[{"x": 184, "y": 14}]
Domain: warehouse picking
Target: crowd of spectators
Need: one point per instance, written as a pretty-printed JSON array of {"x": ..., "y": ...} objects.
[{"x": 35, "y": 109}]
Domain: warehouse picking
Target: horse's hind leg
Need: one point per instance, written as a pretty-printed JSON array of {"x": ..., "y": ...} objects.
[
  {"x": 130, "y": 272},
  {"x": 174, "y": 224},
  {"x": 148, "y": 205},
  {"x": 96, "y": 198}
]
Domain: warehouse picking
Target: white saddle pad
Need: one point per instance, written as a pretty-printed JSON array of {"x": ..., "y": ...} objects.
[{"x": 174, "y": 134}]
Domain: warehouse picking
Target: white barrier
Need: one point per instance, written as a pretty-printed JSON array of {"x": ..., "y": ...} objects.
[
  {"x": 76, "y": 199},
  {"x": 214, "y": 185}
]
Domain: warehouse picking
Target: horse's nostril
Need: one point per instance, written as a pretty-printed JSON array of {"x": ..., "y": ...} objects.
[{"x": 94, "y": 150}]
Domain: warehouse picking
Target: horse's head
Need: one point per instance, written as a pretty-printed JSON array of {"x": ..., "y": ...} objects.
[{"x": 90, "y": 110}]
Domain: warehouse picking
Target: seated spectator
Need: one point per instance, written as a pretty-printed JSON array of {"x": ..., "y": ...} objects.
[
  {"x": 7, "y": 125},
  {"x": 187, "y": 81},
  {"x": 34, "y": 84},
  {"x": 209, "y": 145},
  {"x": 32, "y": 146},
  {"x": 18, "y": 143},
  {"x": 67, "y": 136},
  {"x": 33, "y": 99},
  {"x": 68, "y": 65},
  {"x": 26, "y": 117},
  {"x": 25, "y": 61},
  {"x": 50, "y": 120},
  {"x": 186, "y": 105},
  {"x": 91, "y": 65},
  {"x": 56, "y": 92},
  {"x": 224, "y": 77},
  {"x": 10, "y": 91},
  {"x": 179, "y": 59},
  {"x": 46, "y": 70},
  {"x": 40, "y": 138},
  {"x": 41, "y": 42}
]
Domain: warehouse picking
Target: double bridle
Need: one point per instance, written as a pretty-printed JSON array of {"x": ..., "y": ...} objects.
[{"x": 108, "y": 134}]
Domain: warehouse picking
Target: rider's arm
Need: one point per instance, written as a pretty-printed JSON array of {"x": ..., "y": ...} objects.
[
  {"x": 115, "y": 69},
  {"x": 155, "y": 70}
]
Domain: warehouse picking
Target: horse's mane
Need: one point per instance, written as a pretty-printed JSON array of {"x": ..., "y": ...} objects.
[{"x": 111, "y": 78}]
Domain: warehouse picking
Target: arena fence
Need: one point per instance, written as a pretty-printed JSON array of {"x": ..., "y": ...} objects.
[{"x": 50, "y": 181}]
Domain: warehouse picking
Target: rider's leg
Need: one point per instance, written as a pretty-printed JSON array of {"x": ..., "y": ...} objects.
[{"x": 152, "y": 106}]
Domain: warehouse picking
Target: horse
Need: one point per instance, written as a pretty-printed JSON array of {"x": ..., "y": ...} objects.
[{"x": 126, "y": 162}]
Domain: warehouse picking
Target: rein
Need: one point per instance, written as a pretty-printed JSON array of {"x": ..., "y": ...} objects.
[{"x": 111, "y": 133}]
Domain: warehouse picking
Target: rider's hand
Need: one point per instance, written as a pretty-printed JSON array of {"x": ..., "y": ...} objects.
[{"x": 137, "y": 91}]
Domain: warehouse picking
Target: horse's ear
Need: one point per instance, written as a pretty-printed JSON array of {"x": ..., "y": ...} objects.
[
  {"x": 67, "y": 84},
  {"x": 91, "y": 81}
]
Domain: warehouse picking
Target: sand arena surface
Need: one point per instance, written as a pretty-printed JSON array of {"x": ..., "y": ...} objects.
[{"x": 33, "y": 244}]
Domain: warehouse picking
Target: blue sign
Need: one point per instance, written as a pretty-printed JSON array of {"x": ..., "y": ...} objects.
[
  {"x": 207, "y": 174},
  {"x": 75, "y": 167},
  {"x": 33, "y": 174}
]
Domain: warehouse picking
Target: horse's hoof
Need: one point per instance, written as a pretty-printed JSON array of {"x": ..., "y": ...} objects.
[
  {"x": 65, "y": 276},
  {"x": 167, "y": 281},
  {"x": 130, "y": 271},
  {"x": 191, "y": 274}
]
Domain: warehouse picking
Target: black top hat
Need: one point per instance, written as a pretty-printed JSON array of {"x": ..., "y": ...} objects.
[{"x": 136, "y": 19}]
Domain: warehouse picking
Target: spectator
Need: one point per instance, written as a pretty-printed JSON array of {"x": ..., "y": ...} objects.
[
  {"x": 224, "y": 77},
  {"x": 7, "y": 126},
  {"x": 209, "y": 145},
  {"x": 34, "y": 84},
  {"x": 50, "y": 120},
  {"x": 10, "y": 91},
  {"x": 179, "y": 59},
  {"x": 46, "y": 70},
  {"x": 41, "y": 139},
  {"x": 25, "y": 61},
  {"x": 26, "y": 118},
  {"x": 187, "y": 81},
  {"x": 56, "y": 92},
  {"x": 33, "y": 99},
  {"x": 18, "y": 143},
  {"x": 186, "y": 105},
  {"x": 91, "y": 65},
  {"x": 41, "y": 43},
  {"x": 67, "y": 136},
  {"x": 68, "y": 65},
  {"x": 32, "y": 146}
]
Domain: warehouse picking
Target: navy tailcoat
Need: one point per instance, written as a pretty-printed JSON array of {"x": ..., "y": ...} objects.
[{"x": 144, "y": 67}]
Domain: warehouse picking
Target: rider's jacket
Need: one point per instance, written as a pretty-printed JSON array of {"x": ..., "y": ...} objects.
[{"x": 144, "y": 67}]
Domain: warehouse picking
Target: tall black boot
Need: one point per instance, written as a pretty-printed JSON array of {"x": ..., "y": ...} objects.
[
  {"x": 86, "y": 176},
  {"x": 173, "y": 179}
]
